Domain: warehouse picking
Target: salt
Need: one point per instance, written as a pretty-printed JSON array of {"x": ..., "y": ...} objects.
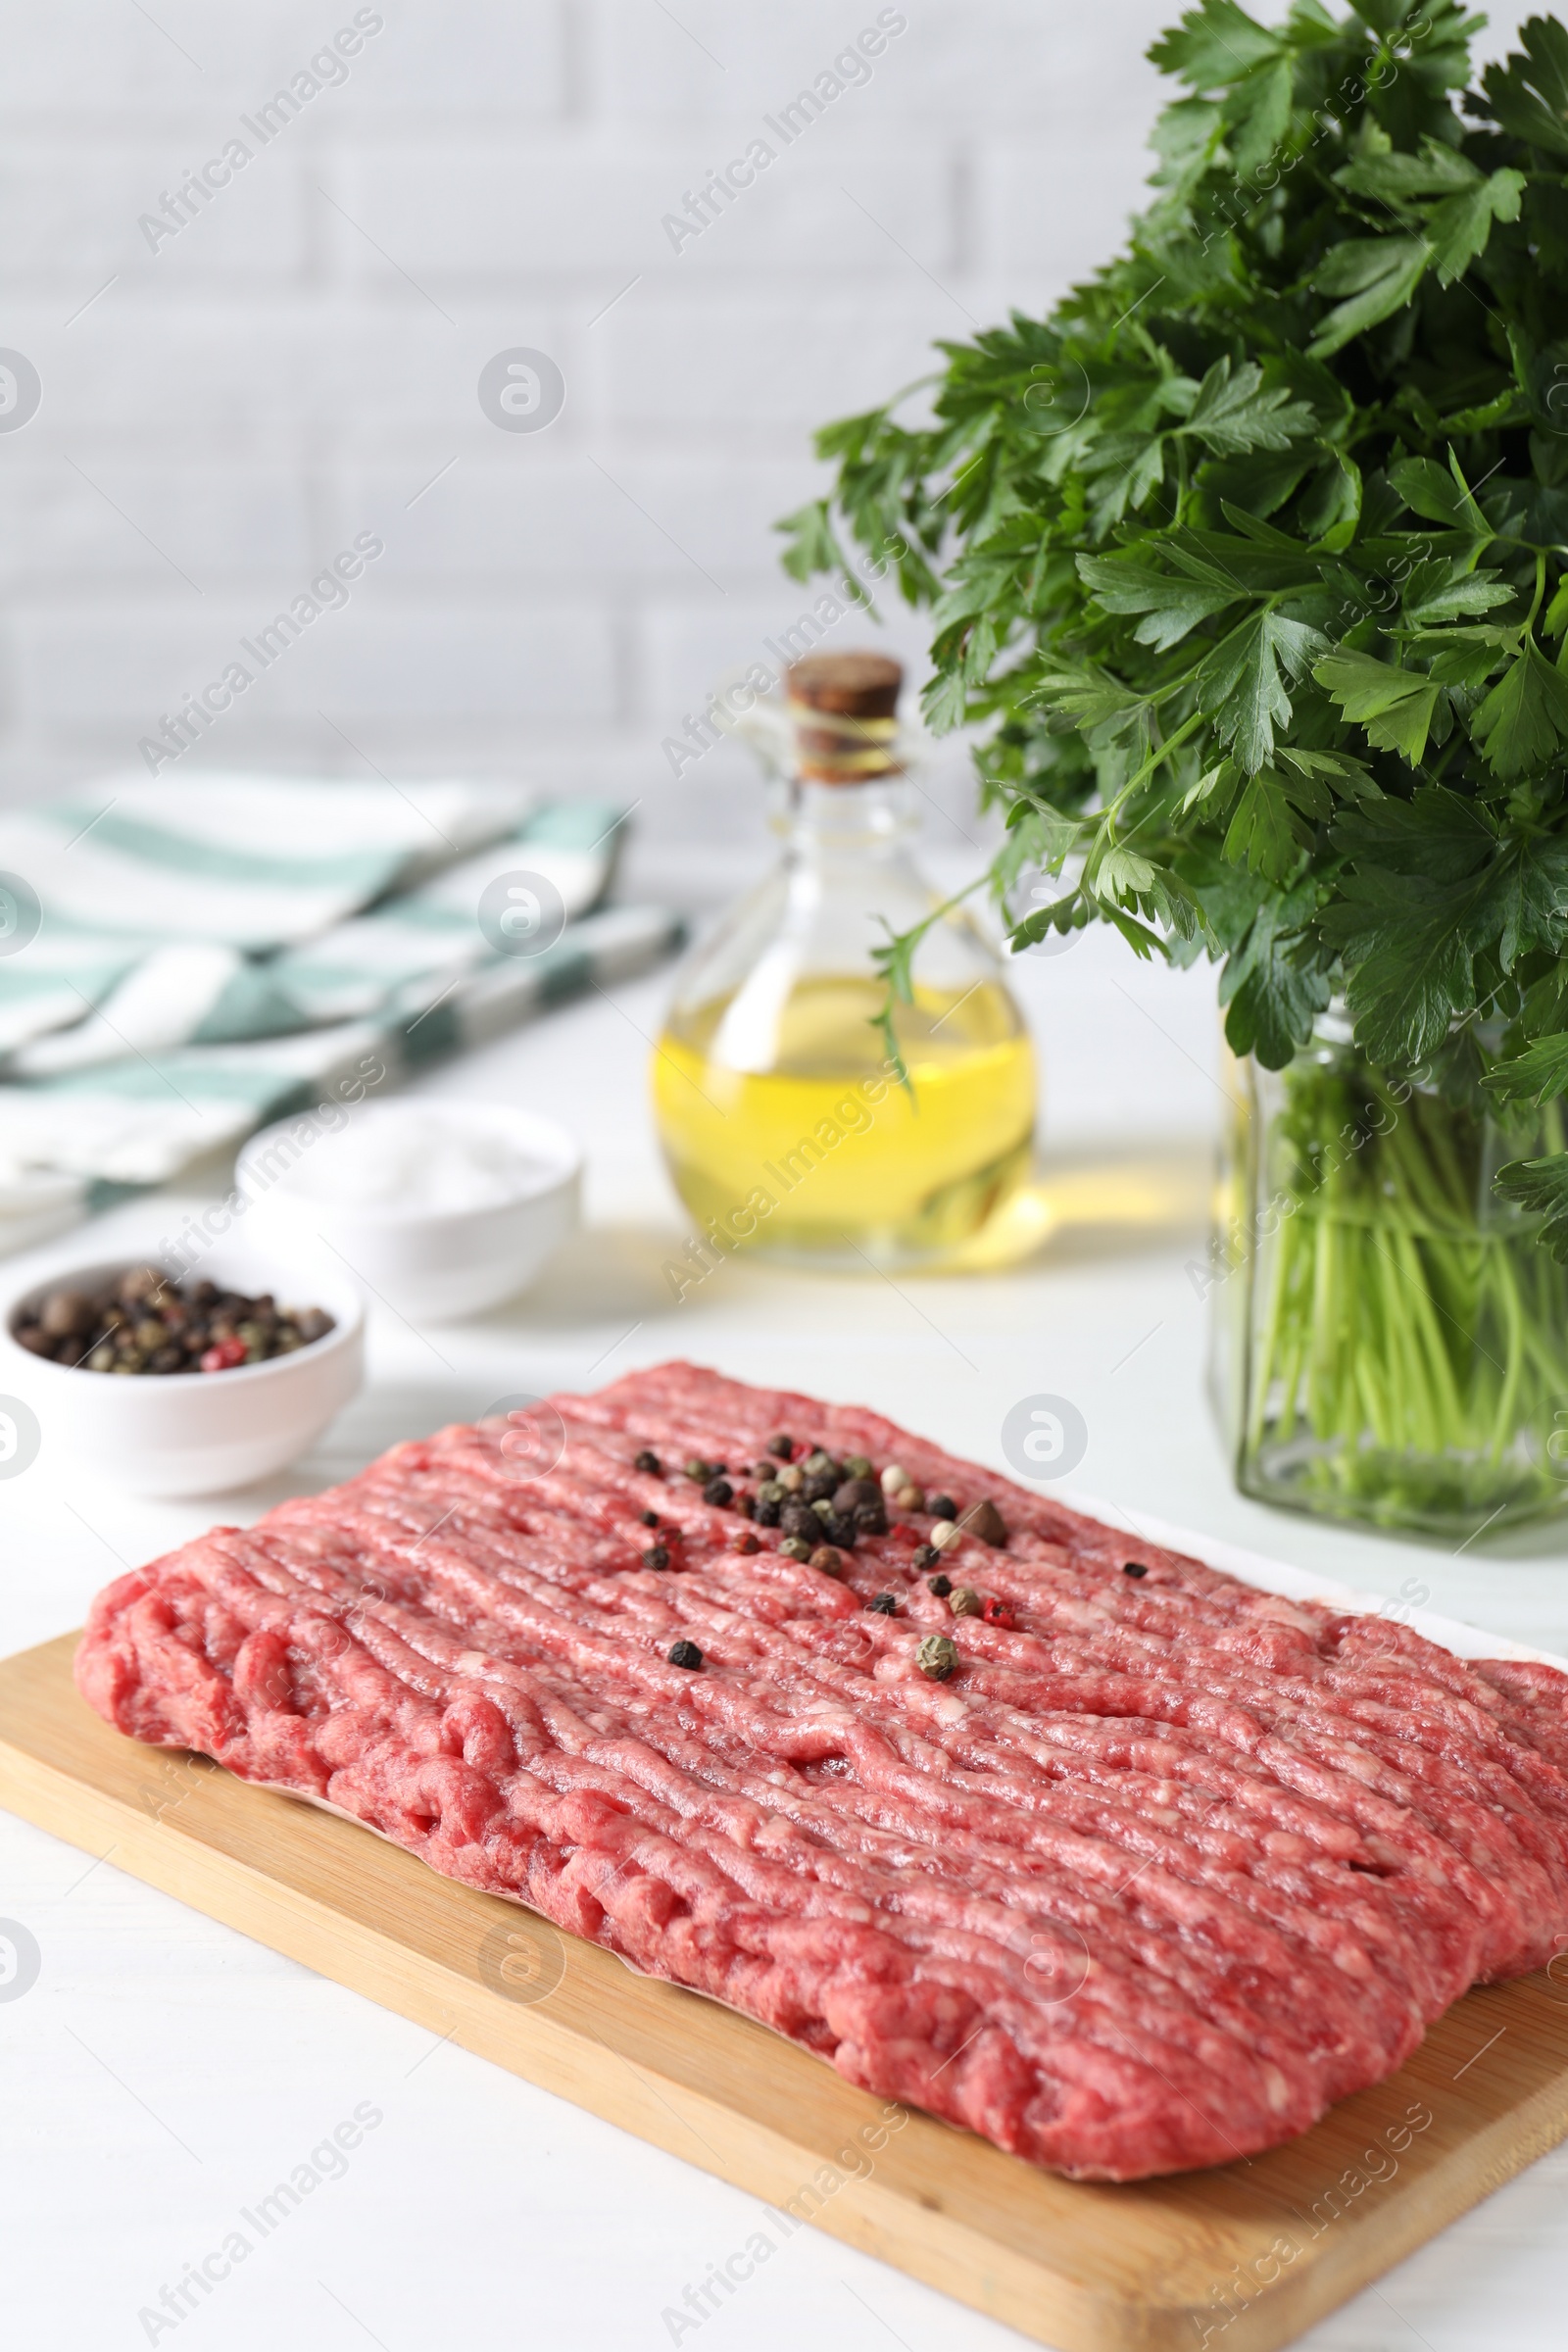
[{"x": 419, "y": 1161}]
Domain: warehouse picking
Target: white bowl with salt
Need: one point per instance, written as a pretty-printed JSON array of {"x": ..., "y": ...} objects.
[{"x": 441, "y": 1207}]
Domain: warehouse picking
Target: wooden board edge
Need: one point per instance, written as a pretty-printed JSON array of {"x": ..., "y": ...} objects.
[{"x": 1279, "y": 2311}]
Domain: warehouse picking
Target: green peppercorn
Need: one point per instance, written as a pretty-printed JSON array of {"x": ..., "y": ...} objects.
[
  {"x": 794, "y": 1548},
  {"x": 936, "y": 1656}
]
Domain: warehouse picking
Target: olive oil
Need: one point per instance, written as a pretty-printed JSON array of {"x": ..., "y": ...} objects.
[
  {"x": 826, "y": 1153},
  {"x": 788, "y": 1125}
]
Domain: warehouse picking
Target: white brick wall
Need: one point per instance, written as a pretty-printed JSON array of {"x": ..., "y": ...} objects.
[{"x": 299, "y": 362}]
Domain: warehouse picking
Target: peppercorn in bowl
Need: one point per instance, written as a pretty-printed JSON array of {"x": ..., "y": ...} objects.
[{"x": 165, "y": 1383}]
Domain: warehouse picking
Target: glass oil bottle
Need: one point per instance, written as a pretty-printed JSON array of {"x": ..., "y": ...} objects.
[{"x": 793, "y": 1122}]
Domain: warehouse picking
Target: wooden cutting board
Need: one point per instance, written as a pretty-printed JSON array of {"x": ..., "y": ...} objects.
[{"x": 1242, "y": 2257}]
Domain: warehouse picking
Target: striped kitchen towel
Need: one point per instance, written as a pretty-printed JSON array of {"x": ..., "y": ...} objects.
[{"x": 214, "y": 953}]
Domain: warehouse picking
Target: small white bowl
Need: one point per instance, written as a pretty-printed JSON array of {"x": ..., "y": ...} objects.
[
  {"x": 194, "y": 1433},
  {"x": 428, "y": 1263}
]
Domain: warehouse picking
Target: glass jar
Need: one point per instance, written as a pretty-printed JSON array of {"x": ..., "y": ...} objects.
[
  {"x": 1389, "y": 1339},
  {"x": 795, "y": 1121}
]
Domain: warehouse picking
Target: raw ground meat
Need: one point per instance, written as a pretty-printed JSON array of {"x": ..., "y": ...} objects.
[{"x": 1165, "y": 1868}]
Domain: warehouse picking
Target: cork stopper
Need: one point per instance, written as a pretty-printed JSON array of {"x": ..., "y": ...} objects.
[{"x": 843, "y": 708}]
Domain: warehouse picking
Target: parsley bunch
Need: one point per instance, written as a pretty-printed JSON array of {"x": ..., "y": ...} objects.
[{"x": 1251, "y": 557}]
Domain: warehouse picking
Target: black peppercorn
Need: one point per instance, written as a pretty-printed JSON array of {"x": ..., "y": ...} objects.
[
  {"x": 767, "y": 1514},
  {"x": 1133, "y": 1568},
  {"x": 940, "y": 1586},
  {"x": 649, "y": 1518},
  {"x": 655, "y": 1557},
  {"x": 857, "y": 1494},
  {"x": 647, "y": 1461},
  {"x": 685, "y": 1653},
  {"x": 746, "y": 1506},
  {"x": 942, "y": 1506},
  {"x": 719, "y": 1492},
  {"x": 926, "y": 1555},
  {"x": 781, "y": 1448},
  {"x": 883, "y": 1605},
  {"x": 842, "y": 1532}
]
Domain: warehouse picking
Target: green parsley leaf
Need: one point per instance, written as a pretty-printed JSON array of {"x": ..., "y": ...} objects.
[
  {"x": 1379, "y": 274},
  {"x": 1529, "y": 94},
  {"x": 1540, "y": 1187},
  {"x": 1263, "y": 834},
  {"x": 1538, "y": 1075},
  {"x": 1442, "y": 495},
  {"x": 1272, "y": 986},
  {"x": 1396, "y": 708},
  {"x": 1460, "y": 229},
  {"x": 1524, "y": 720},
  {"x": 1234, "y": 414},
  {"x": 1173, "y": 606},
  {"x": 1214, "y": 46},
  {"x": 1244, "y": 675}
]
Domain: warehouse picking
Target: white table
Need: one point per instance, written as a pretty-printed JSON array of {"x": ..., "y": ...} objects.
[{"x": 163, "y": 2073}]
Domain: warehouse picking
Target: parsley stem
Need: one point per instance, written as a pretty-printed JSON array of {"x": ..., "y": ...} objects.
[
  {"x": 1409, "y": 1345},
  {"x": 897, "y": 959},
  {"x": 1541, "y": 590},
  {"x": 1154, "y": 761}
]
